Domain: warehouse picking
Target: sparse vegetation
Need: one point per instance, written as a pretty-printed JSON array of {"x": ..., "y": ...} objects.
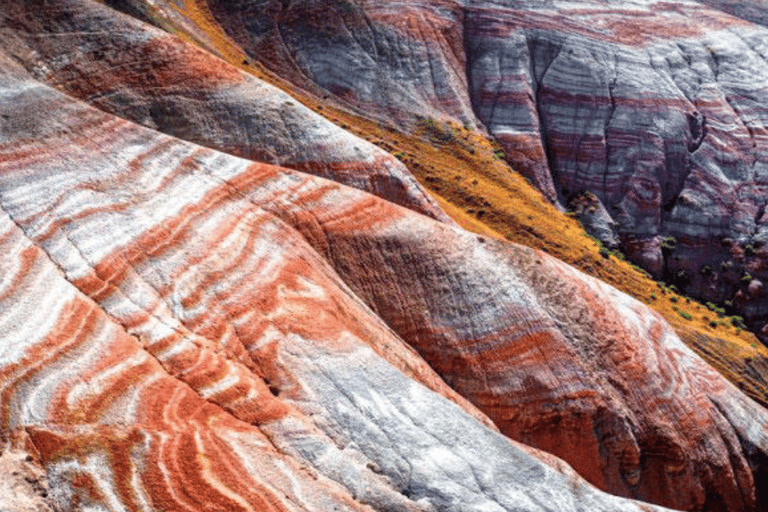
[
  {"x": 442, "y": 133},
  {"x": 719, "y": 311},
  {"x": 669, "y": 243},
  {"x": 517, "y": 211},
  {"x": 469, "y": 165},
  {"x": 738, "y": 322}
]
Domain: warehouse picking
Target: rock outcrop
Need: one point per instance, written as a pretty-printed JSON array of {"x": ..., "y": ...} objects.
[
  {"x": 152, "y": 78},
  {"x": 170, "y": 344},
  {"x": 185, "y": 329},
  {"x": 23, "y": 482},
  {"x": 656, "y": 108}
]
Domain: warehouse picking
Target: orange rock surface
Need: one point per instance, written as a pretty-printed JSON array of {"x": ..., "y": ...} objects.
[{"x": 186, "y": 329}]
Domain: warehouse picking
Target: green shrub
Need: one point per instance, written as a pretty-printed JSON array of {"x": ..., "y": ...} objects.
[
  {"x": 669, "y": 243},
  {"x": 684, "y": 314},
  {"x": 619, "y": 255},
  {"x": 738, "y": 322},
  {"x": 720, "y": 311},
  {"x": 437, "y": 132}
]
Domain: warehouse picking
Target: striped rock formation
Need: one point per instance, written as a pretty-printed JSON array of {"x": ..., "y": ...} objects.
[
  {"x": 138, "y": 72},
  {"x": 657, "y": 108},
  {"x": 750, "y": 10},
  {"x": 184, "y": 329},
  {"x": 170, "y": 344}
]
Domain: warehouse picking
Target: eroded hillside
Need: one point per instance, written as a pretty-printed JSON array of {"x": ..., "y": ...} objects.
[
  {"x": 215, "y": 299},
  {"x": 457, "y": 163},
  {"x": 652, "y": 108}
]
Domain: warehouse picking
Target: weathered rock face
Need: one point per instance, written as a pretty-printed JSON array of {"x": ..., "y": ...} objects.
[
  {"x": 171, "y": 344},
  {"x": 152, "y": 78},
  {"x": 750, "y": 10},
  {"x": 595, "y": 219},
  {"x": 656, "y": 108},
  {"x": 183, "y": 329},
  {"x": 23, "y": 483}
]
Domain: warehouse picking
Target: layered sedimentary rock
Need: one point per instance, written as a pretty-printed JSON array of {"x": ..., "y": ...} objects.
[
  {"x": 150, "y": 77},
  {"x": 750, "y": 10},
  {"x": 654, "y": 107},
  {"x": 187, "y": 329},
  {"x": 184, "y": 329},
  {"x": 171, "y": 342}
]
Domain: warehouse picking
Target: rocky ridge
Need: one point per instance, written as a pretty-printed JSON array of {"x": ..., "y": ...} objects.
[
  {"x": 653, "y": 107},
  {"x": 140, "y": 73},
  {"x": 202, "y": 354},
  {"x": 225, "y": 334}
]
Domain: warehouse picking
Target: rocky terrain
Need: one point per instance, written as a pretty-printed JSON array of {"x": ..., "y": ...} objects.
[
  {"x": 212, "y": 298},
  {"x": 655, "y": 109}
]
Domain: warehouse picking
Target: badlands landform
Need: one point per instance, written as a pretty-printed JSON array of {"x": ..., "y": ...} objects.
[{"x": 215, "y": 294}]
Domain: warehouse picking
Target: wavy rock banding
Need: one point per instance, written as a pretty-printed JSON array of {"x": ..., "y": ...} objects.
[
  {"x": 184, "y": 329},
  {"x": 655, "y": 108},
  {"x": 143, "y": 74}
]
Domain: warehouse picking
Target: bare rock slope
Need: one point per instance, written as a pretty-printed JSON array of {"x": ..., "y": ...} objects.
[
  {"x": 138, "y": 72},
  {"x": 184, "y": 329},
  {"x": 655, "y": 108}
]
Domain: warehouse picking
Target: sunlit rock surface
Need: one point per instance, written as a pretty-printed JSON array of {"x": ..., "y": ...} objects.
[
  {"x": 170, "y": 343},
  {"x": 135, "y": 71},
  {"x": 184, "y": 329},
  {"x": 658, "y": 108}
]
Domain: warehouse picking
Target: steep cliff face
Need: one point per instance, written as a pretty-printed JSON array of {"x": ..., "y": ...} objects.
[
  {"x": 186, "y": 329},
  {"x": 653, "y": 107}
]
